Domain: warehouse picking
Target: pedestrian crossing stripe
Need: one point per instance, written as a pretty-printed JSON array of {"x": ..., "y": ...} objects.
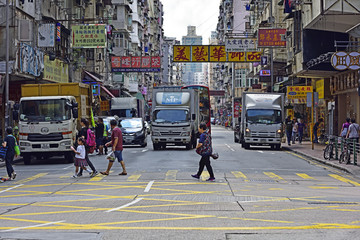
[
  {"x": 31, "y": 178},
  {"x": 133, "y": 177},
  {"x": 274, "y": 176},
  {"x": 205, "y": 175},
  {"x": 240, "y": 175},
  {"x": 342, "y": 179},
  {"x": 305, "y": 176},
  {"x": 171, "y": 175},
  {"x": 98, "y": 177}
]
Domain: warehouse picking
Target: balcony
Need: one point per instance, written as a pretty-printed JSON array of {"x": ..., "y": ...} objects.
[{"x": 332, "y": 15}]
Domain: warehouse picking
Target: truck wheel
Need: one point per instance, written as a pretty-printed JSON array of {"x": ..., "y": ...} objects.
[
  {"x": 69, "y": 157},
  {"x": 27, "y": 158},
  {"x": 246, "y": 145},
  {"x": 188, "y": 146},
  {"x": 277, "y": 146}
]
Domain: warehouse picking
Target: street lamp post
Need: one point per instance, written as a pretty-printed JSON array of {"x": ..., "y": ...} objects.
[{"x": 7, "y": 122}]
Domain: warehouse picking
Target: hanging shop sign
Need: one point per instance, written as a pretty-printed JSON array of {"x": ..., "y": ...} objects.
[
  {"x": 88, "y": 36},
  {"x": 271, "y": 37},
  {"x": 212, "y": 53},
  {"x": 46, "y": 35},
  {"x": 30, "y": 60},
  {"x": 265, "y": 73},
  {"x": 136, "y": 64},
  {"x": 346, "y": 60},
  {"x": 297, "y": 94},
  {"x": 240, "y": 44}
]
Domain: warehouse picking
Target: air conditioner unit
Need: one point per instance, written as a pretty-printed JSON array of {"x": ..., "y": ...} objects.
[{"x": 25, "y": 30}]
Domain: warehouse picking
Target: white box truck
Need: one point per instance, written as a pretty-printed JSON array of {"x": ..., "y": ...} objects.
[
  {"x": 261, "y": 119},
  {"x": 175, "y": 117}
]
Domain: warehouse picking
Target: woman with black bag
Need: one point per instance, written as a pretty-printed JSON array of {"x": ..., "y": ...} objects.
[{"x": 204, "y": 149}]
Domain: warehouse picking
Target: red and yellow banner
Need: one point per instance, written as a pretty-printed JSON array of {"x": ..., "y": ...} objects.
[{"x": 271, "y": 37}]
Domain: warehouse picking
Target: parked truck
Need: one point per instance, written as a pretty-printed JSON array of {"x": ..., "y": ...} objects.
[
  {"x": 175, "y": 117},
  {"x": 261, "y": 120},
  {"x": 49, "y": 117}
]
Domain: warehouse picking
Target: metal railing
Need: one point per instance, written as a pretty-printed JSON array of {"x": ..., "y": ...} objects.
[{"x": 339, "y": 143}]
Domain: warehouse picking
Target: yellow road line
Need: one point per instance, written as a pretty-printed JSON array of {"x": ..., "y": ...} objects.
[
  {"x": 345, "y": 180},
  {"x": 171, "y": 175},
  {"x": 240, "y": 175},
  {"x": 274, "y": 176},
  {"x": 30, "y": 178},
  {"x": 133, "y": 178},
  {"x": 305, "y": 176},
  {"x": 98, "y": 177},
  {"x": 205, "y": 175},
  {"x": 68, "y": 175},
  {"x": 315, "y": 187}
]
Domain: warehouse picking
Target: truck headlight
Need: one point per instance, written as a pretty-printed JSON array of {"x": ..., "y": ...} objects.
[
  {"x": 278, "y": 132},
  {"x": 247, "y": 132},
  {"x": 185, "y": 134},
  {"x": 24, "y": 144},
  {"x": 155, "y": 133},
  {"x": 66, "y": 143}
]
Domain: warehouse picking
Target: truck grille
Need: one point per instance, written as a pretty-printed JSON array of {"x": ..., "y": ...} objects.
[
  {"x": 170, "y": 133},
  {"x": 49, "y": 137},
  {"x": 262, "y": 134}
]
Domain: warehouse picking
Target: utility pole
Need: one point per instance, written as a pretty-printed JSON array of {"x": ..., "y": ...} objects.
[
  {"x": 271, "y": 49},
  {"x": 7, "y": 122},
  {"x": 233, "y": 94}
]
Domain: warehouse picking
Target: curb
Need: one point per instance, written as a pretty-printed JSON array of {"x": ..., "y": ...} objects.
[{"x": 326, "y": 162}]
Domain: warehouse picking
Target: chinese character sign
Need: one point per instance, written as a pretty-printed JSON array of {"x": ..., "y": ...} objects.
[
  {"x": 136, "y": 64},
  {"x": 236, "y": 57},
  {"x": 217, "y": 54},
  {"x": 200, "y": 53},
  {"x": 298, "y": 92},
  {"x": 88, "y": 36},
  {"x": 182, "y": 54},
  {"x": 240, "y": 44},
  {"x": 271, "y": 37}
]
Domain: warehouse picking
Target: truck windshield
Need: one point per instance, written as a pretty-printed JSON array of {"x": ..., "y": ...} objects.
[
  {"x": 171, "y": 116},
  {"x": 264, "y": 116},
  {"x": 44, "y": 110}
]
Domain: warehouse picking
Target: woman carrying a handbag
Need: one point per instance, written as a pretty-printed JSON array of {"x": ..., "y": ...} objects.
[
  {"x": 204, "y": 149},
  {"x": 10, "y": 143}
]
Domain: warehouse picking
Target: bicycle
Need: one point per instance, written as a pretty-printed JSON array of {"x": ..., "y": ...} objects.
[
  {"x": 329, "y": 149},
  {"x": 345, "y": 154}
]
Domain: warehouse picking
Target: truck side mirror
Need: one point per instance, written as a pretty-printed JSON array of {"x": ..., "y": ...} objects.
[
  {"x": 75, "y": 112},
  {"x": 193, "y": 117}
]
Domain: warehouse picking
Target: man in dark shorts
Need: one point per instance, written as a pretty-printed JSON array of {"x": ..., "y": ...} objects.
[{"x": 117, "y": 147}]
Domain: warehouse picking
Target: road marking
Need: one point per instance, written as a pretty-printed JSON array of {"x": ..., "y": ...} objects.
[
  {"x": 68, "y": 166},
  {"x": 205, "y": 175},
  {"x": 98, "y": 177},
  {"x": 305, "y": 176},
  {"x": 274, "y": 176},
  {"x": 316, "y": 187},
  {"x": 145, "y": 150},
  {"x": 126, "y": 205},
  {"x": 68, "y": 175},
  {"x": 31, "y": 178},
  {"x": 171, "y": 175},
  {"x": 342, "y": 179},
  {"x": 39, "y": 225},
  {"x": 229, "y": 147},
  {"x": 261, "y": 151},
  {"x": 8, "y": 189},
  {"x": 148, "y": 187},
  {"x": 240, "y": 175},
  {"x": 133, "y": 178}
]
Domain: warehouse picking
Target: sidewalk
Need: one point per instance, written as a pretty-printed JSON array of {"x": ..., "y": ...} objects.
[{"x": 318, "y": 155}]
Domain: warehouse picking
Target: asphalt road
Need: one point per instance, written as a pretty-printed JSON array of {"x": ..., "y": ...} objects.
[{"x": 258, "y": 194}]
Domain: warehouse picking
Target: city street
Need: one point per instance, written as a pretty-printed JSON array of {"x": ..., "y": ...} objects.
[{"x": 258, "y": 194}]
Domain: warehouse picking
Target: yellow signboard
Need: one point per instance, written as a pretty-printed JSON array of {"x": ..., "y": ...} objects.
[
  {"x": 182, "y": 54},
  {"x": 200, "y": 53},
  {"x": 217, "y": 54},
  {"x": 237, "y": 56},
  {"x": 56, "y": 71},
  {"x": 320, "y": 88},
  {"x": 88, "y": 36},
  {"x": 298, "y": 92}
]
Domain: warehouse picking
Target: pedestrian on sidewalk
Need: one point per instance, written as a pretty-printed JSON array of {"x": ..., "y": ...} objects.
[
  {"x": 9, "y": 142},
  {"x": 83, "y": 133},
  {"x": 288, "y": 129},
  {"x": 345, "y": 128},
  {"x": 294, "y": 130},
  {"x": 117, "y": 148},
  {"x": 301, "y": 127},
  {"x": 315, "y": 129},
  {"x": 354, "y": 131},
  {"x": 99, "y": 135},
  {"x": 204, "y": 149},
  {"x": 80, "y": 161}
]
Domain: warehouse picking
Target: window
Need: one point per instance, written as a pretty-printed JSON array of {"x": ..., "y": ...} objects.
[
  {"x": 119, "y": 40},
  {"x": 240, "y": 78}
]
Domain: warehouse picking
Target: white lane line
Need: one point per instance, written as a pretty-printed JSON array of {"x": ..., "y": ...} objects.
[
  {"x": 145, "y": 150},
  {"x": 147, "y": 189},
  {"x": 8, "y": 189},
  {"x": 69, "y": 166},
  {"x": 261, "y": 151},
  {"x": 230, "y": 147},
  {"x": 39, "y": 225},
  {"x": 126, "y": 205}
]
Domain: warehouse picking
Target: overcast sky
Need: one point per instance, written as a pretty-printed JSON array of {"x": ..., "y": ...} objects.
[{"x": 178, "y": 14}]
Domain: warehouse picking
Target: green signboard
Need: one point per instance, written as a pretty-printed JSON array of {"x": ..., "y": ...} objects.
[{"x": 88, "y": 36}]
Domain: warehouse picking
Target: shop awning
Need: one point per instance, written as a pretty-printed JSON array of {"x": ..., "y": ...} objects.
[
  {"x": 93, "y": 77},
  {"x": 107, "y": 91}
]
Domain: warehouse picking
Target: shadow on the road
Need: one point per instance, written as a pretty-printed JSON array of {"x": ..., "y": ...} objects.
[{"x": 262, "y": 148}]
